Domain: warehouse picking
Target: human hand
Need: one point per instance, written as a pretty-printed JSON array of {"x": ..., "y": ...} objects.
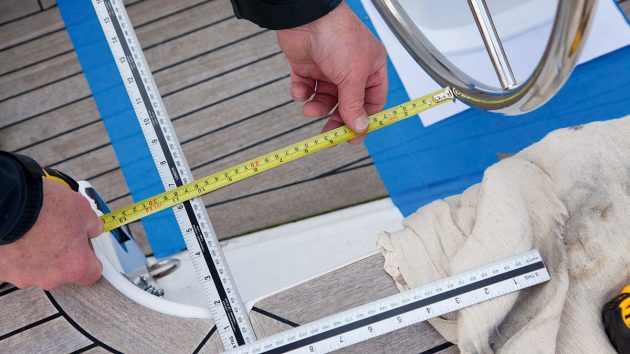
[
  {"x": 337, "y": 59},
  {"x": 57, "y": 249}
]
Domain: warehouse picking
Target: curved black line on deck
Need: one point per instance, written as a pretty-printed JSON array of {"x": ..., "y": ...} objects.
[
  {"x": 205, "y": 339},
  {"x": 79, "y": 328},
  {"x": 275, "y": 317}
]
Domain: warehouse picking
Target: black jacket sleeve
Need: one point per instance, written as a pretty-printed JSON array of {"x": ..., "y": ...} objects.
[
  {"x": 21, "y": 195},
  {"x": 282, "y": 14}
]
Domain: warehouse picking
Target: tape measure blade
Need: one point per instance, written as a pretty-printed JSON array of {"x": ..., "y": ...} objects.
[
  {"x": 271, "y": 160},
  {"x": 407, "y": 308},
  {"x": 208, "y": 260}
]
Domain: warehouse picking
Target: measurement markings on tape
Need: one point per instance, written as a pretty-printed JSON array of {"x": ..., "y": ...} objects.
[
  {"x": 227, "y": 309},
  {"x": 269, "y": 161},
  {"x": 407, "y": 308}
]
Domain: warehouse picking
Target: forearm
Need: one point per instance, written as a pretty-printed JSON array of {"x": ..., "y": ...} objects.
[{"x": 283, "y": 14}]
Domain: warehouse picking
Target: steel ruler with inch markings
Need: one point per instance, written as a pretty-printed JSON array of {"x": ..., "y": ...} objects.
[
  {"x": 226, "y": 306},
  {"x": 407, "y": 308}
]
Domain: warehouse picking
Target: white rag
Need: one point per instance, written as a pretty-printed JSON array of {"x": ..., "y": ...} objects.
[{"x": 567, "y": 196}]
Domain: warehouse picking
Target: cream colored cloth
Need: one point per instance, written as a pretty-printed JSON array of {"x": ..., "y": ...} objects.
[{"x": 568, "y": 196}]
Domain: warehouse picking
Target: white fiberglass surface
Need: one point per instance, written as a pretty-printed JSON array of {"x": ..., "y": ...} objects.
[
  {"x": 266, "y": 261},
  {"x": 273, "y": 259}
]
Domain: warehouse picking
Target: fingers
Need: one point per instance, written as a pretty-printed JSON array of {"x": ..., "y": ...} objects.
[
  {"x": 351, "y": 102},
  {"x": 376, "y": 91},
  {"x": 302, "y": 88},
  {"x": 323, "y": 102},
  {"x": 81, "y": 265},
  {"x": 319, "y": 106},
  {"x": 335, "y": 121},
  {"x": 93, "y": 268}
]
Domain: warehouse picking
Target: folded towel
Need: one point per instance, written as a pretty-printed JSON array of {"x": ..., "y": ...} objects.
[{"x": 567, "y": 196}]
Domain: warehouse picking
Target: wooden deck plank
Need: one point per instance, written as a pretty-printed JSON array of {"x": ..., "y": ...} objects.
[
  {"x": 38, "y": 75},
  {"x": 45, "y": 98},
  {"x": 172, "y": 20},
  {"x": 56, "y": 336},
  {"x": 158, "y": 54},
  {"x": 97, "y": 350},
  {"x": 296, "y": 202},
  {"x": 55, "y": 95},
  {"x": 47, "y": 4},
  {"x": 14, "y": 9},
  {"x": 95, "y": 135},
  {"x": 58, "y": 121},
  {"x": 350, "y": 286},
  {"x": 57, "y": 42},
  {"x": 33, "y": 51},
  {"x": 73, "y": 318},
  {"x": 188, "y": 73},
  {"x": 131, "y": 328},
  {"x": 23, "y": 307},
  {"x": 265, "y": 326},
  {"x": 40, "y": 23}
]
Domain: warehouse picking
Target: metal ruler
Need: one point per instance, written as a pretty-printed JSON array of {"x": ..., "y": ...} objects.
[
  {"x": 407, "y": 308},
  {"x": 226, "y": 306}
]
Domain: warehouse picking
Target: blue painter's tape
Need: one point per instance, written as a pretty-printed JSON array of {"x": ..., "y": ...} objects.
[
  {"x": 120, "y": 120},
  {"x": 420, "y": 164}
]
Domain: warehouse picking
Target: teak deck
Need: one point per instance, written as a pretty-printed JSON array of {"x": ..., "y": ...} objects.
[{"x": 98, "y": 319}]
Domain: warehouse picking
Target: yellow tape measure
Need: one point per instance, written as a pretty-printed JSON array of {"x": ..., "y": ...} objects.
[{"x": 228, "y": 176}]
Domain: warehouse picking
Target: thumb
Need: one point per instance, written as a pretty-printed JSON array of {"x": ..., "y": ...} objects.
[
  {"x": 352, "y": 102},
  {"x": 94, "y": 224}
]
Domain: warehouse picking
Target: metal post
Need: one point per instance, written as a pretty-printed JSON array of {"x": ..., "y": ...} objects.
[{"x": 491, "y": 39}]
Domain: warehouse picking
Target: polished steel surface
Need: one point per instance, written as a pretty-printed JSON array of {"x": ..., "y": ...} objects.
[
  {"x": 568, "y": 35},
  {"x": 493, "y": 44}
]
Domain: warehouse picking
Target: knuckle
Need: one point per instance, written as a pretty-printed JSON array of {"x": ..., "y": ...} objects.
[
  {"x": 354, "y": 105},
  {"x": 377, "y": 78}
]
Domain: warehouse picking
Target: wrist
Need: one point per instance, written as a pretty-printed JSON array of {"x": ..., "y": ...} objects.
[
  {"x": 23, "y": 200},
  {"x": 280, "y": 14}
]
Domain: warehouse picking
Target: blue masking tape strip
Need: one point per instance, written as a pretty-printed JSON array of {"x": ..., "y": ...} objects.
[
  {"x": 120, "y": 120},
  {"x": 420, "y": 164}
]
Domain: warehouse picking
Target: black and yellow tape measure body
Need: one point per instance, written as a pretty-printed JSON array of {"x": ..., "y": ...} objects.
[
  {"x": 616, "y": 314},
  {"x": 60, "y": 177},
  {"x": 269, "y": 161}
]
